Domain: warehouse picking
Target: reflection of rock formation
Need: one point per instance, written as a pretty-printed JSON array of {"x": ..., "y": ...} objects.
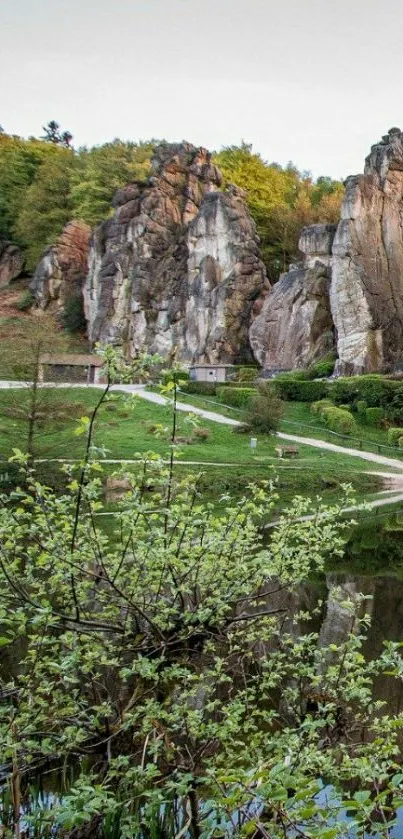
[
  {"x": 11, "y": 263},
  {"x": 367, "y": 274},
  {"x": 294, "y": 327},
  {"x": 177, "y": 265},
  {"x": 61, "y": 272},
  {"x": 340, "y": 620}
]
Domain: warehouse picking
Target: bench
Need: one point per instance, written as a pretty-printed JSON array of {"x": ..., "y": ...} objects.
[{"x": 287, "y": 451}]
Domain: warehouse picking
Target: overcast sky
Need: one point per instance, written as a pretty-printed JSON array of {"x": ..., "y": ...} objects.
[{"x": 312, "y": 81}]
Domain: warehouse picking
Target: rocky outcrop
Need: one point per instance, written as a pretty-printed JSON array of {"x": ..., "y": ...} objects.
[
  {"x": 11, "y": 263},
  {"x": 178, "y": 264},
  {"x": 61, "y": 272},
  {"x": 367, "y": 273},
  {"x": 294, "y": 328}
]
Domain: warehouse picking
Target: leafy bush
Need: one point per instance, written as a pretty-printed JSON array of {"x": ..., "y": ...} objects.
[
  {"x": 246, "y": 374},
  {"x": 394, "y": 435},
  {"x": 394, "y": 411},
  {"x": 373, "y": 416},
  {"x": 322, "y": 369},
  {"x": 201, "y": 434},
  {"x": 206, "y": 388},
  {"x": 338, "y": 419},
  {"x": 238, "y": 397},
  {"x": 374, "y": 389},
  {"x": 361, "y": 407},
  {"x": 318, "y": 407},
  {"x": 25, "y": 302},
  {"x": 265, "y": 409},
  {"x": 296, "y": 390}
]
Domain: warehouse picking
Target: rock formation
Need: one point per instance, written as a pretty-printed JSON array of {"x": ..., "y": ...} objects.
[
  {"x": 11, "y": 263},
  {"x": 178, "y": 264},
  {"x": 61, "y": 272},
  {"x": 294, "y": 328},
  {"x": 367, "y": 271}
]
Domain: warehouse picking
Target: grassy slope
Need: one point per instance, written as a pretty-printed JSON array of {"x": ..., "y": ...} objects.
[
  {"x": 123, "y": 428},
  {"x": 298, "y": 419}
]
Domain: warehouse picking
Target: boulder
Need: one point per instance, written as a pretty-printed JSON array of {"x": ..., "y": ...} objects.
[
  {"x": 177, "y": 267},
  {"x": 61, "y": 272},
  {"x": 294, "y": 328},
  {"x": 11, "y": 263},
  {"x": 366, "y": 293}
]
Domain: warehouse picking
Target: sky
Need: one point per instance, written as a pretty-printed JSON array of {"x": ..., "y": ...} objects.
[{"x": 312, "y": 81}]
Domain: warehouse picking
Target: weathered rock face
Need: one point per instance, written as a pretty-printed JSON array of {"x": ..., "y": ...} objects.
[
  {"x": 178, "y": 264},
  {"x": 61, "y": 272},
  {"x": 367, "y": 274},
  {"x": 294, "y": 328},
  {"x": 11, "y": 263}
]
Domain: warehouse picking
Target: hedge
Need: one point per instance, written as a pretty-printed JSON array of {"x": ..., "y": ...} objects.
[
  {"x": 337, "y": 419},
  {"x": 299, "y": 390},
  {"x": 318, "y": 407},
  {"x": 374, "y": 389},
  {"x": 238, "y": 397},
  {"x": 394, "y": 435},
  {"x": 373, "y": 416},
  {"x": 361, "y": 407},
  {"x": 206, "y": 388}
]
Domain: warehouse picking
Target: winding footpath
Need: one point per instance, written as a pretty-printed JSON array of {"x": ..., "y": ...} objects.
[{"x": 395, "y": 478}]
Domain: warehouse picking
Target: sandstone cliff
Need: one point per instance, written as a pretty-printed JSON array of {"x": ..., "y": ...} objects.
[
  {"x": 177, "y": 265},
  {"x": 367, "y": 273},
  {"x": 294, "y": 328},
  {"x": 11, "y": 263},
  {"x": 61, "y": 272}
]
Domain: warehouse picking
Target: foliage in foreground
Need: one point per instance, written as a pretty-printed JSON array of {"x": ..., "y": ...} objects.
[
  {"x": 166, "y": 651},
  {"x": 167, "y": 659}
]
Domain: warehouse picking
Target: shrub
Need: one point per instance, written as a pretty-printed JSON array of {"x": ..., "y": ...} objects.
[
  {"x": 322, "y": 369},
  {"x": 206, "y": 388},
  {"x": 393, "y": 436},
  {"x": 238, "y": 397},
  {"x": 72, "y": 317},
  {"x": 374, "y": 389},
  {"x": 242, "y": 428},
  {"x": 394, "y": 411},
  {"x": 318, "y": 407},
  {"x": 361, "y": 407},
  {"x": 265, "y": 409},
  {"x": 297, "y": 390},
  {"x": 400, "y": 442},
  {"x": 373, "y": 416},
  {"x": 201, "y": 434},
  {"x": 25, "y": 302},
  {"x": 339, "y": 420},
  {"x": 246, "y": 374}
]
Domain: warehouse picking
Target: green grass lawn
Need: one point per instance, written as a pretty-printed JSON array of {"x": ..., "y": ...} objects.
[
  {"x": 127, "y": 428},
  {"x": 298, "y": 419}
]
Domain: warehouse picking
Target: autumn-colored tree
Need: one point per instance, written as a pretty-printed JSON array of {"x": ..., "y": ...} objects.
[{"x": 281, "y": 202}]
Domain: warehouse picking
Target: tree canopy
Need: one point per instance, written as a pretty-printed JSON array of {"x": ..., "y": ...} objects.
[{"x": 45, "y": 182}]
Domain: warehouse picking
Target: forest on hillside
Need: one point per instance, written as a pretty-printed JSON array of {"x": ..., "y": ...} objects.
[{"x": 45, "y": 182}]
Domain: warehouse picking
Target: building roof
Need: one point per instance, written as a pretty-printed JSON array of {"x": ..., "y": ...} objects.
[
  {"x": 213, "y": 364},
  {"x": 72, "y": 359}
]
